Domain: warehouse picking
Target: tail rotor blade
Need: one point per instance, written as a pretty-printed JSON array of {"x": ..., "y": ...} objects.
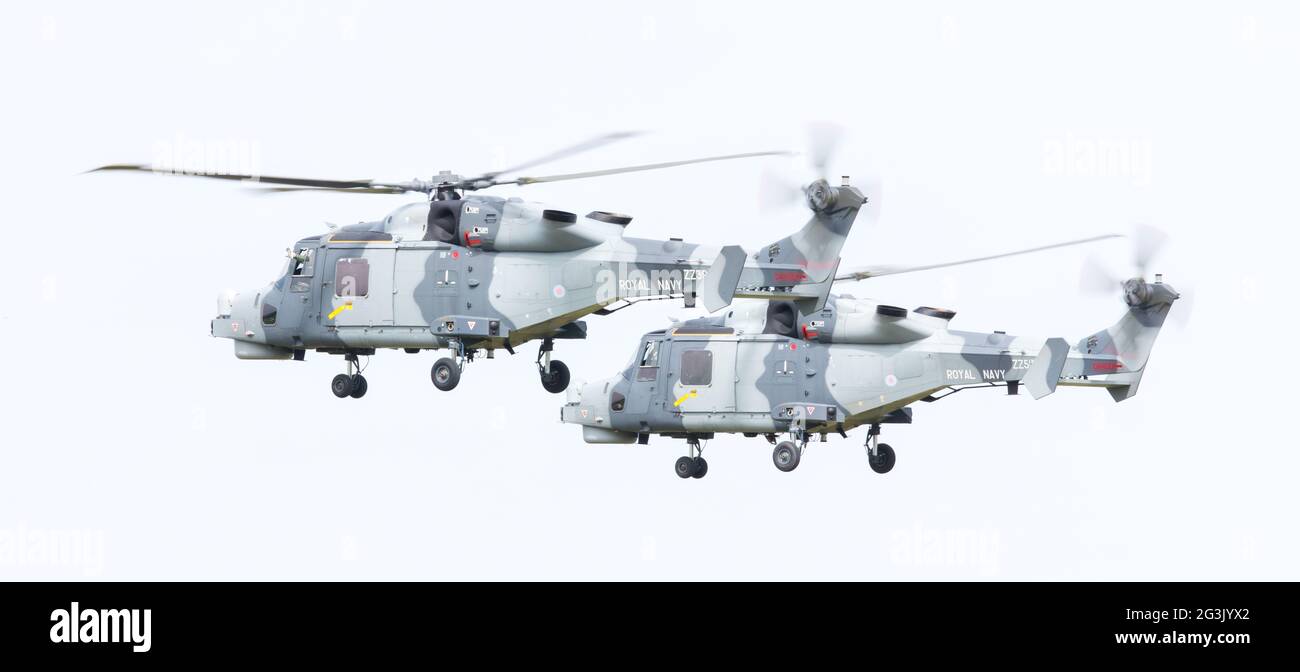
[
  {"x": 1147, "y": 242},
  {"x": 823, "y": 139},
  {"x": 775, "y": 191},
  {"x": 1096, "y": 278}
]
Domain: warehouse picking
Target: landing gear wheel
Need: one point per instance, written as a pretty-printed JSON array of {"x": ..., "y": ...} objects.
[
  {"x": 701, "y": 467},
  {"x": 883, "y": 460},
  {"x": 359, "y": 386},
  {"x": 341, "y": 386},
  {"x": 785, "y": 456},
  {"x": 557, "y": 379},
  {"x": 445, "y": 374},
  {"x": 685, "y": 467}
]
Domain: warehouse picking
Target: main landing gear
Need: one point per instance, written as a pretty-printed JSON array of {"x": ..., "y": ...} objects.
[
  {"x": 445, "y": 373},
  {"x": 554, "y": 373},
  {"x": 879, "y": 455},
  {"x": 786, "y": 455},
  {"x": 693, "y": 465},
  {"x": 349, "y": 384}
]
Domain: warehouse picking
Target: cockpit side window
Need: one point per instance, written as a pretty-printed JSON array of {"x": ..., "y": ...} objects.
[
  {"x": 648, "y": 367},
  {"x": 303, "y": 263}
]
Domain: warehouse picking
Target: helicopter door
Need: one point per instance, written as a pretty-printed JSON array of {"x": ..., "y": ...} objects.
[
  {"x": 768, "y": 373},
  {"x": 427, "y": 284},
  {"x": 361, "y": 291},
  {"x": 703, "y": 376}
]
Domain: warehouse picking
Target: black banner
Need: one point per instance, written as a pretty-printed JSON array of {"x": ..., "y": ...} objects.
[{"x": 204, "y": 622}]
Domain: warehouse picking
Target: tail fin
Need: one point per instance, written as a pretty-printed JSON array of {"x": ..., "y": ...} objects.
[
  {"x": 1120, "y": 352},
  {"x": 801, "y": 267}
]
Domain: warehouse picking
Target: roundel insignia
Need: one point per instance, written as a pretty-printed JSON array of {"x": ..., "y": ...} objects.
[
  {"x": 891, "y": 380},
  {"x": 584, "y": 412},
  {"x": 558, "y": 291}
]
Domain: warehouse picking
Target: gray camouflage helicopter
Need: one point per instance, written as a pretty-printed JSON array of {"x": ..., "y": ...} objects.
[
  {"x": 827, "y": 364},
  {"x": 474, "y": 273}
]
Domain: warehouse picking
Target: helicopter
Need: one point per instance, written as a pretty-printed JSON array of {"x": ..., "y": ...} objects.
[
  {"x": 814, "y": 366},
  {"x": 476, "y": 273}
]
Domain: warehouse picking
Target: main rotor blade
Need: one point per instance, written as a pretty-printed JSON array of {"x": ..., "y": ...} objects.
[
  {"x": 584, "y": 146},
  {"x": 348, "y": 190},
  {"x": 876, "y": 271},
  {"x": 632, "y": 169},
  {"x": 263, "y": 179}
]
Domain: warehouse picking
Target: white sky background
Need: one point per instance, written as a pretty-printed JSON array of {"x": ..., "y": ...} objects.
[{"x": 127, "y": 427}]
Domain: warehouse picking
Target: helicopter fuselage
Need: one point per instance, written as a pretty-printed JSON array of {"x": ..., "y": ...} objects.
[
  {"x": 763, "y": 368},
  {"x": 479, "y": 273}
]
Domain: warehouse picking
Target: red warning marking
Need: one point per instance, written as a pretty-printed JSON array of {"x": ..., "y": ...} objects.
[{"x": 1107, "y": 366}]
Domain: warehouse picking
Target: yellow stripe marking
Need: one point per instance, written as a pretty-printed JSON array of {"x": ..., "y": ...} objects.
[
  {"x": 346, "y": 306},
  {"x": 682, "y": 399}
]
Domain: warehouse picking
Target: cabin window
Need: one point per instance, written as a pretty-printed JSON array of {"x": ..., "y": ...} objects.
[
  {"x": 697, "y": 367},
  {"x": 352, "y": 277},
  {"x": 649, "y": 366},
  {"x": 268, "y": 314}
]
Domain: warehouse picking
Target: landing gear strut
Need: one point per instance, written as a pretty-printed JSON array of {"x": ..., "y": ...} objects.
[
  {"x": 349, "y": 384},
  {"x": 693, "y": 465},
  {"x": 554, "y": 373},
  {"x": 879, "y": 455}
]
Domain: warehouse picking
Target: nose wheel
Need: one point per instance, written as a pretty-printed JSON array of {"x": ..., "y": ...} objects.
[
  {"x": 349, "y": 384},
  {"x": 693, "y": 465}
]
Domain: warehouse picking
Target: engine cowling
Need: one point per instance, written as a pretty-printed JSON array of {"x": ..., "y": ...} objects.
[{"x": 865, "y": 322}]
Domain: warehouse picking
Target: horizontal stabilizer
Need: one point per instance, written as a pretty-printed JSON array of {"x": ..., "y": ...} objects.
[
  {"x": 1042, "y": 376},
  {"x": 719, "y": 286}
]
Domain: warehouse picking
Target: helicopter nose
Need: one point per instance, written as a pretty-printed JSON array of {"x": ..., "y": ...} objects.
[{"x": 226, "y": 302}]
